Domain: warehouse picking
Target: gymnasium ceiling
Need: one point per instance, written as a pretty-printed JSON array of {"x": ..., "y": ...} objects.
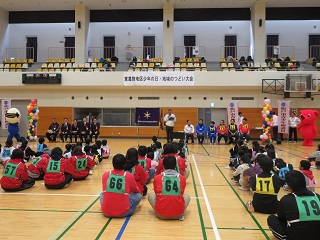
[{"x": 43, "y": 5}]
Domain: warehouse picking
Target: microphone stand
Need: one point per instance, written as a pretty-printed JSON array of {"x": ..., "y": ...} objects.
[{"x": 138, "y": 130}]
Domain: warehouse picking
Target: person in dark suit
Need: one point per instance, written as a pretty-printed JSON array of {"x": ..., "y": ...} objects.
[
  {"x": 95, "y": 129},
  {"x": 84, "y": 129},
  {"x": 65, "y": 131},
  {"x": 53, "y": 130}
]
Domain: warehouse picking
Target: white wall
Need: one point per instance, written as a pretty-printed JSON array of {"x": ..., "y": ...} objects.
[
  {"x": 49, "y": 35},
  {"x": 4, "y": 33},
  {"x": 211, "y": 35},
  {"x": 121, "y": 31},
  {"x": 294, "y": 33}
]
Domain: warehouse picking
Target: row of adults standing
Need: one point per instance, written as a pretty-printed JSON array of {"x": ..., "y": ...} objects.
[{"x": 88, "y": 127}]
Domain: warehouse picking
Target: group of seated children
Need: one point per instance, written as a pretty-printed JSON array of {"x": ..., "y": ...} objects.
[
  {"x": 123, "y": 187},
  {"x": 56, "y": 168},
  {"x": 298, "y": 212}
]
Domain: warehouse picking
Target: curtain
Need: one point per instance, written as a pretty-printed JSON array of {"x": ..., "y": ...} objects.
[
  {"x": 314, "y": 40},
  {"x": 272, "y": 40},
  {"x": 69, "y": 45},
  {"x": 32, "y": 48},
  {"x": 230, "y": 43},
  {"x": 109, "y": 45},
  {"x": 149, "y": 43},
  {"x": 189, "y": 42}
]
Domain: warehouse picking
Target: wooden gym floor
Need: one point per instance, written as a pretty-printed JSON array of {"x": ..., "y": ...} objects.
[{"x": 217, "y": 208}]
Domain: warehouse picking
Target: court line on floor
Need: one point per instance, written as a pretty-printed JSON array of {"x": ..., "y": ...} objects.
[
  {"x": 255, "y": 229},
  {"x": 123, "y": 228},
  {"x": 103, "y": 229},
  {"x": 52, "y": 194},
  {"x": 213, "y": 222},
  {"x": 204, "y": 234},
  {"x": 205, "y": 149},
  {"x": 75, "y": 218},
  {"x": 244, "y": 205}
]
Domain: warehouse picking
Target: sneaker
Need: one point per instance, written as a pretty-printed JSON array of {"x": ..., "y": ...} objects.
[
  {"x": 233, "y": 180},
  {"x": 289, "y": 141},
  {"x": 295, "y": 141},
  {"x": 313, "y": 167},
  {"x": 90, "y": 172},
  {"x": 250, "y": 206},
  {"x": 181, "y": 218},
  {"x": 243, "y": 188},
  {"x": 228, "y": 167}
]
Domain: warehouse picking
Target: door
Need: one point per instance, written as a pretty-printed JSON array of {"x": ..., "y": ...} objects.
[
  {"x": 314, "y": 46},
  {"x": 205, "y": 114},
  {"x": 272, "y": 40},
  {"x": 189, "y": 42},
  {"x": 149, "y": 43},
  {"x": 230, "y": 43},
  {"x": 109, "y": 45},
  {"x": 69, "y": 47},
  {"x": 32, "y": 48}
]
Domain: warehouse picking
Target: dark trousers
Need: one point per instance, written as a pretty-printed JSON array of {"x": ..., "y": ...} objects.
[
  {"x": 67, "y": 180},
  {"x": 75, "y": 136},
  {"x": 189, "y": 136},
  {"x": 200, "y": 138},
  {"x": 277, "y": 227},
  {"x": 52, "y": 136},
  {"x": 64, "y": 136},
  {"x": 294, "y": 131},
  {"x": 233, "y": 138},
  {"x": 83, "y": 136},
  {"x": 25, "y": 185},
  {"x": 224, "y": 136},
  {"x": 275, "y": 133},
  {"x": 95, "y": 137},
  {"x": 169, "y": 131}
]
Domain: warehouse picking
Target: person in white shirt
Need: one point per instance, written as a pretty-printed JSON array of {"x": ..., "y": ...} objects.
[
  {"x": 274, "y": 125},
  {"x": 189, "y": 131},
  {"x": 169, "y": 119},
  {"x": 293, "y": 123},
  {"x": 240, "y": 118}
]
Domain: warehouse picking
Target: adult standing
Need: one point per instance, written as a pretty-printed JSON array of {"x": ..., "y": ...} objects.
[
  {"x": 298, "y": 212},
  {"x": 274, "y": 124},
  {"x": 90, "y": 118},
  {"x": 240, "y": 118},
  {"x": 294, "y": 121},
  {"x": 189, "y": 131},
  {"x": 169, "y": 119},
  {"x": 201, "y": 131},
  {"x": 53, "y": 131}
]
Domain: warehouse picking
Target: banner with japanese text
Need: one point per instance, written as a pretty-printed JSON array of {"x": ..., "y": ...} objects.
[
  {"x": 149, "y": 78},
  {"x": 283, "y": 116},
  {"x": 5, "y": 106},
  {"x": 233, "y": 110}
]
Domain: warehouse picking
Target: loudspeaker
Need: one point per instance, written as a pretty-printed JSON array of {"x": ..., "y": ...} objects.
[
  {"x": 168, "y": 23},
  {"x": 260, "y": 22},
  {"x": 286, "y": 95},
  {"x": 278, "y": 141},
  {"x": 79, "y": 24}
]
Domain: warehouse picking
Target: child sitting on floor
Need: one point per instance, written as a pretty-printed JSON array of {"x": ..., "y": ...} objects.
[
  {"x": 244, "y": 164},
  {"x": 7, "y": 150},
  {"x": 281, "y": 168},
  {"x": 40, "y": 146},
  {"x": 315, "y": 157},
  {"x": 67, "y": 152},
  {"x": 105, "y": 149},
  {"x": 266, "y": 187},
  {"x": 308, "y": 175}
]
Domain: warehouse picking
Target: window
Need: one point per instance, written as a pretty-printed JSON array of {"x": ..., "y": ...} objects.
[{"x": 109, "y": 116}]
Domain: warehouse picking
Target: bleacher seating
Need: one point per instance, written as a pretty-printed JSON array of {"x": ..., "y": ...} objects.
[{"x": 15, "y": 65}]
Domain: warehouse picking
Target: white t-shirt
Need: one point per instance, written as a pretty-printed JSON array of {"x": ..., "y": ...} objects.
[
  {"x": 189, "y": 129},
  {"x": 170, "y": 119},
  {"x": 294, "y": 122},
  {"x": 274, "y": 121}
]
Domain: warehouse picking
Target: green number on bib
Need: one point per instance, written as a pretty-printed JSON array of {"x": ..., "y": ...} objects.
[
  {"x": 81, "y": 164},
  {"x": 309, "y": 208},
  {"x": 36, "y": 161},
  {"x": 116, "y": 184},
  {"x": 10, "y": 170},
  {"x": 53, "y": 166},
  {"x": 143, "y": 164},
  {"x": 171, "y": 186}
]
